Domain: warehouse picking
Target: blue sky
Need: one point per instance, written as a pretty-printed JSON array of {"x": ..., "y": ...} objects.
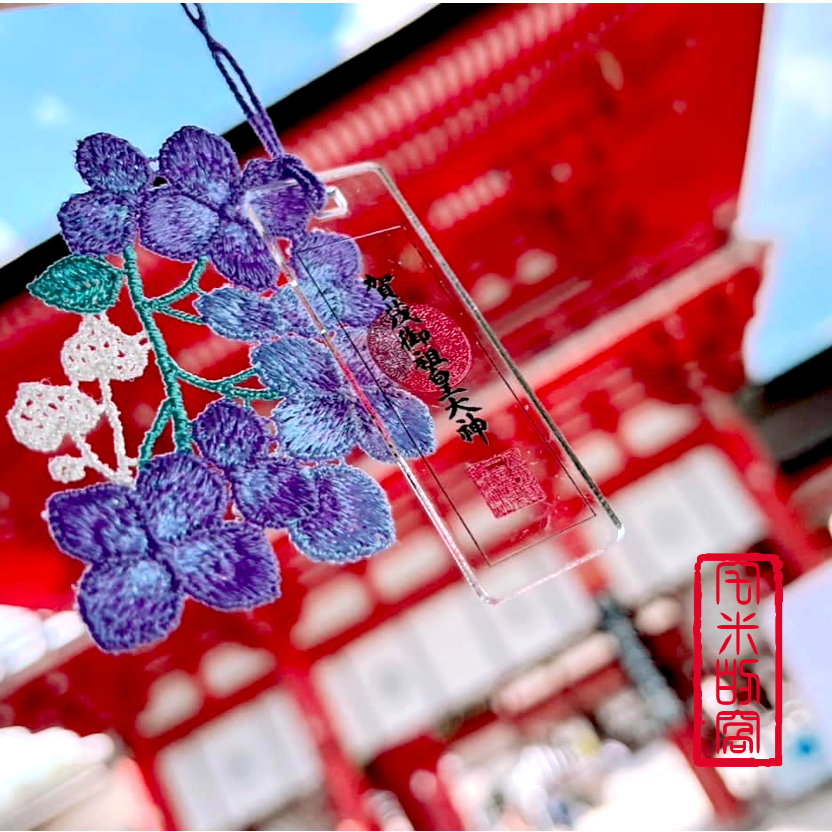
[
  {"x": 787, "y": 194},
  {"x": 141, "y": 71}
]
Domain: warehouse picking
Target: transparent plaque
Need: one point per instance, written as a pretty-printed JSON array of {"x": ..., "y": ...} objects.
[{"x": 504, "y": 489}]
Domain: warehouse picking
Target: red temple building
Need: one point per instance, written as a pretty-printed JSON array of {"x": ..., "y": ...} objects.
[{"x": 579, "y": 167}]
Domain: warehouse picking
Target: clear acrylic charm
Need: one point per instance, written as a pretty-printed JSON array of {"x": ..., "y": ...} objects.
[{"x": 503, "y": 485}]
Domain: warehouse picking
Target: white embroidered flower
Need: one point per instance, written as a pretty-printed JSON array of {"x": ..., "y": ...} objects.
[
  {"x": 44, "y": 413},
  {"x": 100, "y": 350},
  {"x": 67, "y": 468}
]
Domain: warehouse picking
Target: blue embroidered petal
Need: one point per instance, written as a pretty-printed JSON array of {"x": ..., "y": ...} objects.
[
  {"x": 353, "y": 519},
  {"x": 176, "y": 226},
  {"x": 98, "y": 523},
  {"x": 297, "y": 366},
  {"x": 291, "y": 314},
  {"x": 324, "y": 257},
  {"x": 327, "y": 301},
  {"x": 239, "y": 254},
  {"x": 359, "y": 307},
  {"x": 273, "y": 492},
  {"x": 180, "y": 495},
  {"x": 128, "y": 605},
  {"x": 112, "y": 164},
  {"x": 239, "y": 314},
  {"x": 341, "y": 304},
  {"x": 406, "y": 418},
  {"x": 97, "y": 222},
  {"x": 408, "y": 421},
  {"x": 317, "y": 428},
  {"x": 232, "y": 568},
  {"x": 352, "y": 344},
  {"x": 200, "y": 165},
  {"x": 230, "y": 435},
  {"x": 281, "y": 206}
]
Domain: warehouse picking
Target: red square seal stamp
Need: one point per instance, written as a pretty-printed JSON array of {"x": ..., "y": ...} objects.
[
  {"x": 732, "y": 736},
  {"x": 505, "y": 482}
]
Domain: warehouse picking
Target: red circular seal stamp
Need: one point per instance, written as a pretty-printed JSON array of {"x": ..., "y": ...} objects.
[{"x": 397, "y": 362}]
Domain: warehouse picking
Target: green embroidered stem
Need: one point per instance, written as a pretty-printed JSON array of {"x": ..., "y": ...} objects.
[
  {"x": 173, "y": 407},
  {"x": 251, "y": 394},
  {"x": 245, "y": 375},
  {"x": 179, "y": 315},
  {"x": 190, "y": 286},
  {"x": 150, "y": 438},
  {"x": 227, "y": 387},
  {"x": 214, "y": 385},
  {"x": 167, "y": 367}
]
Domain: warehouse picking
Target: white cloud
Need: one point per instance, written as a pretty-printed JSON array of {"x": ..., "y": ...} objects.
[
  {"x": 50, "y": 111},
  {"x": 365, "y": 23},
  {"x": 806, "y": 81},
  {"x": 11, "y": 245}
]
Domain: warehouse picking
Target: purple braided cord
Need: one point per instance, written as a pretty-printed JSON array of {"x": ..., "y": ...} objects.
[{"x": 253, "y": 108}]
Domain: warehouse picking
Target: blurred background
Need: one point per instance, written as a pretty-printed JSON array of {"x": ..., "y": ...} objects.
[{"x": 638, "y": 199}]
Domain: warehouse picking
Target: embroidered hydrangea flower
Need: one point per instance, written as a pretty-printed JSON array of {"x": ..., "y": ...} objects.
[
  {"x": 150, "y": 545},
  {"x": 104, "y": 219},
  {"x": 283, "y": 193},
  {"x": 268, "y": 490},
  {"x": 201, "y": 211},
  {"x": 334, "y": 513},
  {"x": 329, "y": 269},
  {"x": 322, "y": 416}
]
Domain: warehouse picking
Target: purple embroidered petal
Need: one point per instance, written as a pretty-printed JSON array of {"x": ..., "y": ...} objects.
[
  {"x": 200, "y": 165},
  {"x": 179, "y": 495},
  {"x": 97, "y": 222},
  {"x": 239, "y": 314},
  {"x": 291, "y": 314},
  {"x": 297, "y": 366},
  {"x": 281, "y": 206},
  {"x": 232, "y": 568},
  {"x": 97, "y": 523},
  {"x": 320, "y": 428},
  {"x": 273, "y": 492},
  {"x": 239, "y": 254},
  {"x": 262, "y": 173},
  {"x": 230, "y": 435},
  {"x": 407, "y": 420},
  {"x": 176, "y": 226},
  {"x": 128, "y": 605},
  {"x": 324, "y": 257},
  {"x": 112, "y": 164},
  {"x": 353, "y": 519}
]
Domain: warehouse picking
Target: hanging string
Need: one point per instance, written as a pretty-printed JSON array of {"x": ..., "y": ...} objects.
[{"x": 234, "y": 76}]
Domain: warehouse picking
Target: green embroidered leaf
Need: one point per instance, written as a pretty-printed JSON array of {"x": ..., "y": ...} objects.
[{"x": 78, "y": 283}]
